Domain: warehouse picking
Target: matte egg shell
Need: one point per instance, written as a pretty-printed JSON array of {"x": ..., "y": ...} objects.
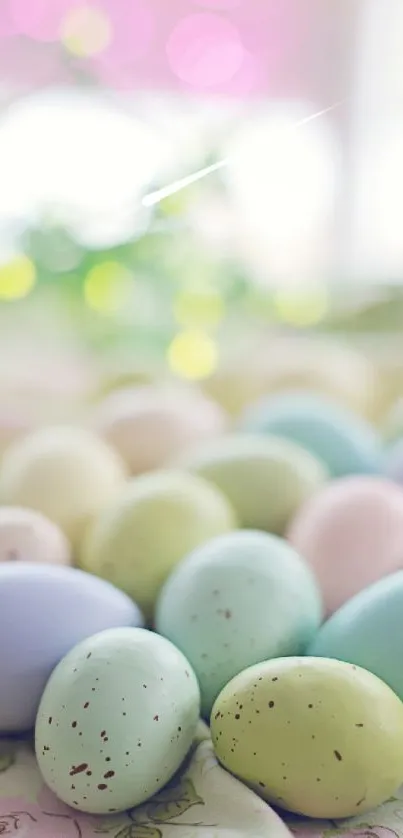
[
  {"x": 150, "y": 425},
  {"x": 155, "y": 522},
  {"x": 345, "y": 442},
  {"x": 351, "y": 534},
  {"x": 266, "y": 479},
  {"x": 66, "y": 473},
  {"x": 28, "y": 536},
  {"x": 368, "y": 631},
  {"x": 240, "y": 599},
  {"x": 318, "y": 737},
  {"x": 116, "y": 720},
  {"x": 44, "y": 611}
]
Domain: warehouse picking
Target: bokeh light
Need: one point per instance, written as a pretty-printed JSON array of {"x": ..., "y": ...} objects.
[
  {"x": 193, "y": 354},
  {"x": 40, "y": 19},
  {"x": 108, "y": 287},
  {"x": 85, "y": 31},
  {"x": 196, "y": 308},
  {"x": 17, "y": 278},
  {"x": 205, "y": 50}
]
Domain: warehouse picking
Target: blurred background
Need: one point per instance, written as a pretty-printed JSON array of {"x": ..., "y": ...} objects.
[{"x": 293, "y": 249}]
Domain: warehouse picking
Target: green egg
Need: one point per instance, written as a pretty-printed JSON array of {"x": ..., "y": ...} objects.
[
  {"x": 266, "y": 479},
  {"x": 314, "y": 736}
]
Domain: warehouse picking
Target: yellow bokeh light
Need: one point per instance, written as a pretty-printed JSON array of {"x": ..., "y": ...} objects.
[
  {"x": 199, "y": 308},
  {"x": 85, "y": 31},
  {"x": 17, "y": 278},
  {"x": 193, "y": 355},
  {"x": 301, "y": 308},
  {"x": 107, "y": 287}
]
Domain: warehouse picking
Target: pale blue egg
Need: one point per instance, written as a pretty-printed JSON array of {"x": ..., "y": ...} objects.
[
  {"x": 346, "y": 443},
  {"x": 239, "y": 599},
  {"x": 368, "y": 631},
  {"x": 45, "y": 610}
]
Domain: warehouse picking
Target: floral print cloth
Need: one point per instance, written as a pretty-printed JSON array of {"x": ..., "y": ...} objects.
[{"x": 202, "y": 801}]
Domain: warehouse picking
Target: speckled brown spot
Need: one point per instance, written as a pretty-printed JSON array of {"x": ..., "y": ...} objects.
[
  {"x": 78, "y": 769},
  {"x": 338, "y": 755},
  {"x": 103, "y": 732},
  {"x": 156, "y": 719},
  {"x": 50, "y": 720},
  {"x": 271, "y": 704},
  {"x": 74, "y": 724},
  {"x": 86, "y": 705},
  {"x": 237, "y": 716},
  {"x": 89, "y": 655},
  {"x": 360, "y": 725},
  {"x": 102, "y": 786},
  {"x": 109, "y": 774}
]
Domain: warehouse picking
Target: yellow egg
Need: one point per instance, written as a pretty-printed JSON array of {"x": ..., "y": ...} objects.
[
  {"x": 156, "y": 520},
  {"x": 66, "y": 473},
  {"x": 317, "y": 737}
]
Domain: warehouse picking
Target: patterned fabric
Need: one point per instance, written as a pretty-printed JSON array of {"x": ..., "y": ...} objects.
[{"x": 202, "y": 801}]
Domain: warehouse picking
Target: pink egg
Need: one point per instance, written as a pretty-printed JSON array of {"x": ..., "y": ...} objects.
[
  {"x": 151, "y": 425},
  {"x": 26, "y": 535},
  {"x": 351, "y": 533}
]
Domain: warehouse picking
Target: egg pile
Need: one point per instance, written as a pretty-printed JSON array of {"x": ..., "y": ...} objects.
[{"x": 162, "y": 561}]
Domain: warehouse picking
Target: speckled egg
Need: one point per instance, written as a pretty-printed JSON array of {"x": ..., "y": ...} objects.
[
  {"x": 314, "y": 736},
  {"x": 150, "y": 425},
  {"x": 45, "y": 610},
  {"x": 154, "y": 523},
  {"x": 367, "y": 631},
  {"x": 242, "y": 598},
  {"x": 266, "y": 479},
  {"x": 28, "y": 536},
  {"x": 116, "y": 720},
  {"x": 351, "y": 533},
  {"x": 66, "y": 473},
  {"x": 345, "y": 442}
]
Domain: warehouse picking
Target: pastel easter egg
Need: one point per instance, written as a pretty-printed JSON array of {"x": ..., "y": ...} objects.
[
  {"x": 368, "y": 631},
  {"x": 28, "y": 536},
  {"x": 242, "y": 598},
  {"x": 314, "y": 736},
  {"x": 116, "y": 720},
  {"x": 344, "y": 442},
  {"x": 155, "y": 522},
  {"x": 45, "y": 610},
  {"x": 265, "y": 479},
  {"x": 393, "y": 462},
  {"x": 150, "y": 425},
  {"x": 351, "y": 534},
  {"x": 67, "y": 473}
]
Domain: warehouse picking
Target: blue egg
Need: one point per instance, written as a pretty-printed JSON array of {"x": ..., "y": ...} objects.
[
  {"x": 368, "y": 631},
  {"x": 45, "y": 610},
  {"x": 343, "y": 441}
]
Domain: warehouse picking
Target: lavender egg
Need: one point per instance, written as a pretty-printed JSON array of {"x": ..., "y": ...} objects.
[{"x": 45, "y": 610}]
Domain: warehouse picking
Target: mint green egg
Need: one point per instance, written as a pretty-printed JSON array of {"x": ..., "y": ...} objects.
[
  {"x": 368, "y": 631},
  {"x": 346, "y": 443},
  {"x": 240, "y": 599}
]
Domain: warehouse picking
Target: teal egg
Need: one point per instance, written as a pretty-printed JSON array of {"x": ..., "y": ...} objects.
[
  {"x": 346, "y": 443},
  {"x": 237, "y": 600},
  {"x": 368, "y": 631}
]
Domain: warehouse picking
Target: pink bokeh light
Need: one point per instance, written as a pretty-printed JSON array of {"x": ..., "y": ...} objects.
[
  {"x": 40, "y": 19},
  {"x": 219, "y": 5},
  {"x": 205, "y": 50}
]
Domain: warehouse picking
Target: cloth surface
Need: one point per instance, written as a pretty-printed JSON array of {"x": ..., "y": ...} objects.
[{"x": 202, "y": 801}]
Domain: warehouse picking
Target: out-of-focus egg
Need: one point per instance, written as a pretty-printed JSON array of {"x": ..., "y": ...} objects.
[
  {"x": 368, "y": 631},
  {"x": 240, "y": 599},
  {"x": 351, "y": 534},
  {"x": 28, "y": 536},
  {"x": 67, "y": 473},
  {"x": 345, "y": 442},
  {"x": 155, "y": 522},
  {"x": 392, "y": 429},
  {"x": 116, "y": 720},
  {"x": 150, "y": 425},
  {"x": 303, "y": 733},
  {"x": 393, "y": 463},
  {"x": 44, "y": 611},
  {"x": 266, "y": 479}
]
